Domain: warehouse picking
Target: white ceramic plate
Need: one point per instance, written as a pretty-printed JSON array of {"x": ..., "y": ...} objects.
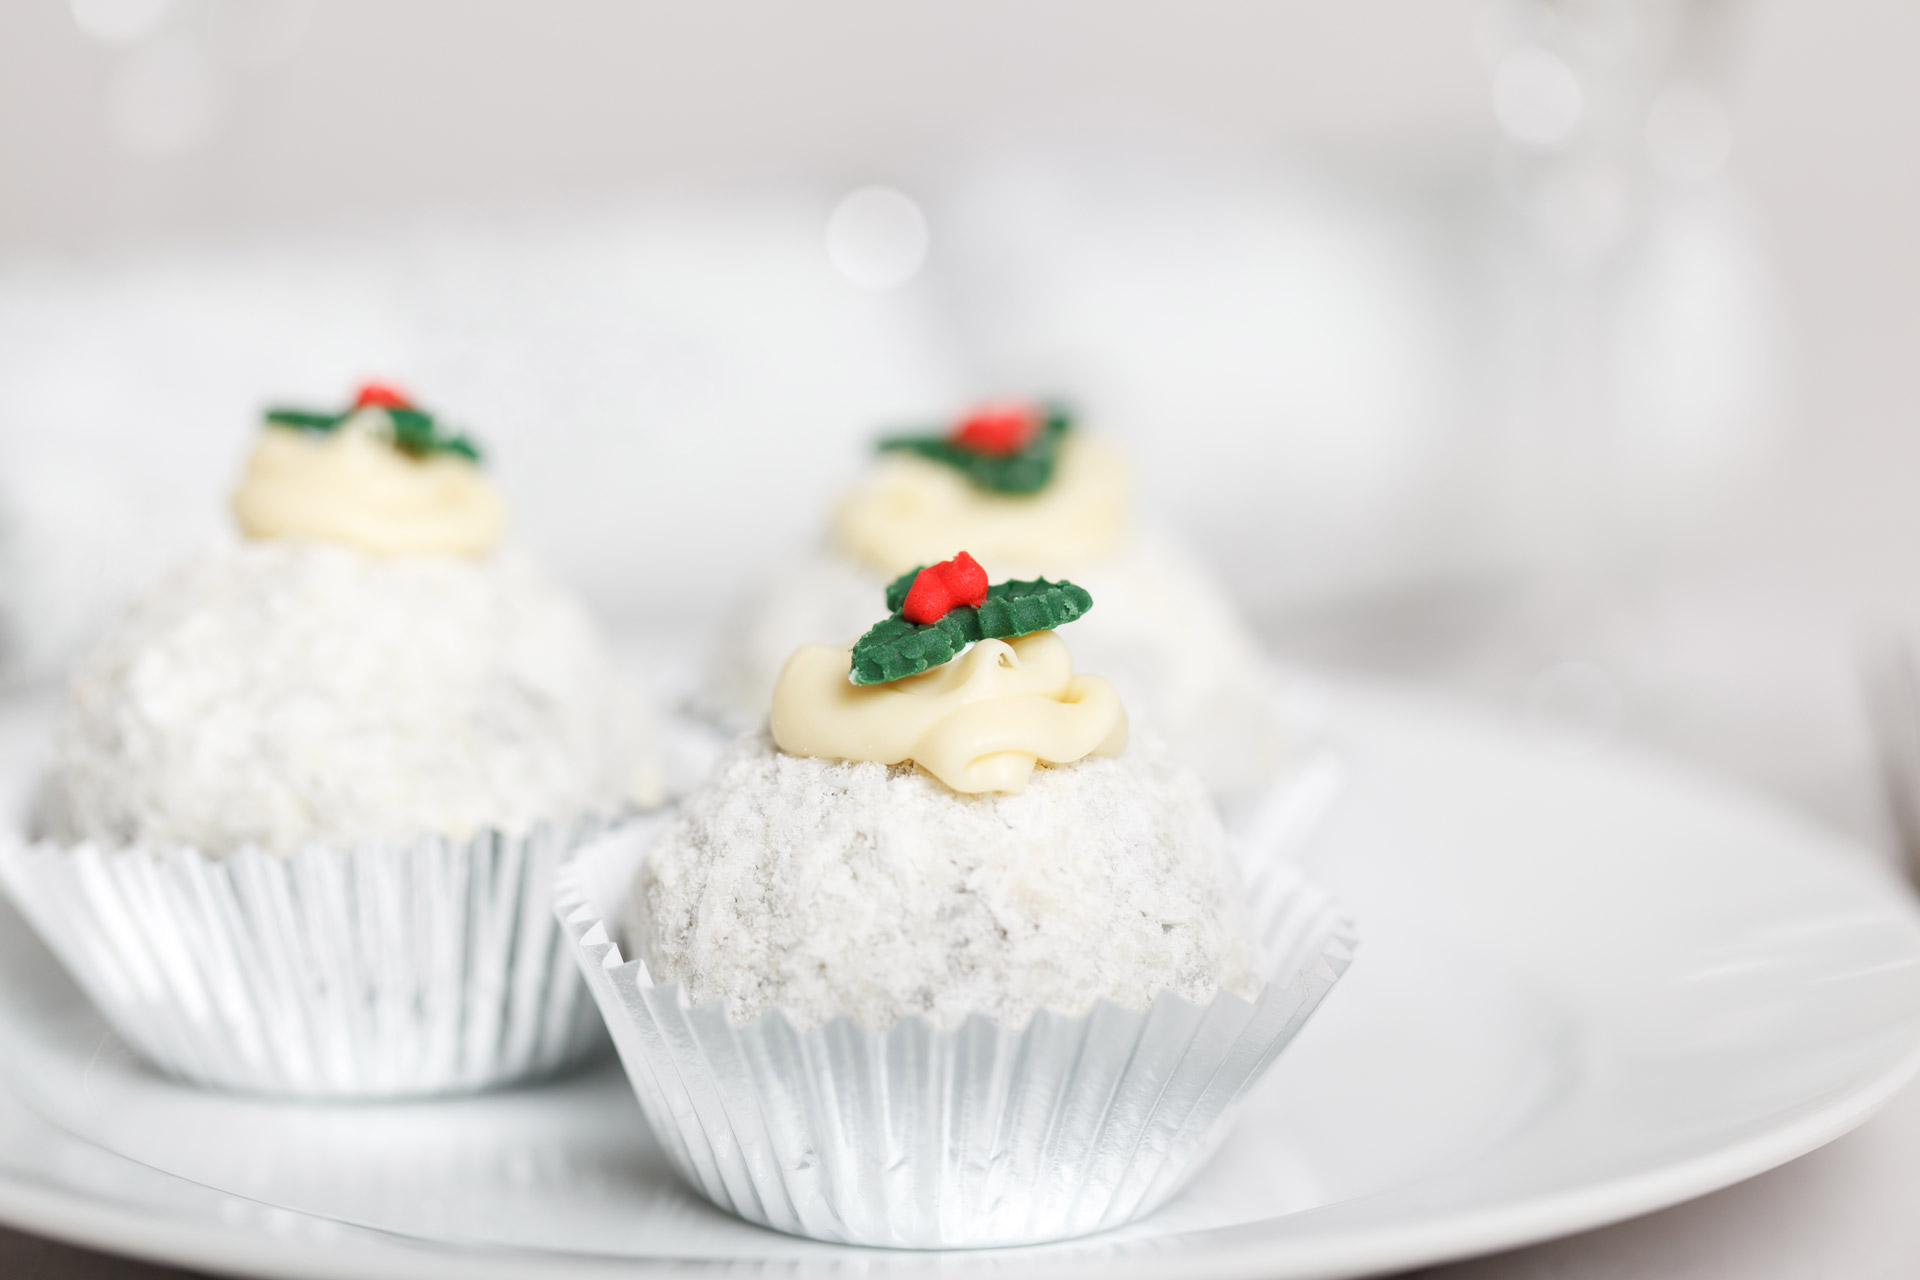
[{"x": 1588, "y": 986}]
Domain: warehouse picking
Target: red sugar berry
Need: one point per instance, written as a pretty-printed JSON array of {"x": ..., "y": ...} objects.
[
  {"x": 998, "y": 429},
  {"x": 928, "y": 599},
  {"x": 940, "y": 588},
  {"x": 966, "y": 578},
  {"x": 379, "y": 395}
]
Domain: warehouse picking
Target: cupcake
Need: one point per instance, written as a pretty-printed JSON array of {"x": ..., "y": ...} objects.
[
  {"x": 1030, "y": 492},
  {"x": 944, "y": 955},
  {"x": 307, "y": 795}
]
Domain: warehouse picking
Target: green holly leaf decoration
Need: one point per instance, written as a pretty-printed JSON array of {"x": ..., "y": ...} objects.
[
  {"x": 416, "y": 434},
  {"x": 898, "y": 588},
  {"x": 1028, "y": 470},
  {"x": 411, "y": 430},
  {"x": 894, "y": 648},
  {"x": 305, "y": 421}
]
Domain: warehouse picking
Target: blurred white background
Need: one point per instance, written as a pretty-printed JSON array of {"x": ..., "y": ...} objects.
[
  {"x": 1551, "y": 350},
  {"x": 1557, "y": 352}
]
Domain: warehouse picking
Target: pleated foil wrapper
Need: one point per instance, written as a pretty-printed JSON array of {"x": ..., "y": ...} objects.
[
  {"x": 428, "y": 968},
  {"x": 923, "y": 1139}
]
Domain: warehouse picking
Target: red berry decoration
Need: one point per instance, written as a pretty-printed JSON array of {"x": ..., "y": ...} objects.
[
  {"x": 939, "y": 589},
  {"x": 1010, "y": 447},
  {"x": 937, "y": 611},
  {"x": 999, "y": 430},
  {"x": 379, "y": 395}
]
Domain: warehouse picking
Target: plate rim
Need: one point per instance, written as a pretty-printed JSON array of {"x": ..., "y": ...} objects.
[
  {"x": 134, "y": 1226},
  {"x": 133, "y": 1231}
]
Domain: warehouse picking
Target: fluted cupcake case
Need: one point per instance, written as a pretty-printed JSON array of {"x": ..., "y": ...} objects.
[
  {"x": 376, "y": 972},
  {"x": 917, "y": 1138}
]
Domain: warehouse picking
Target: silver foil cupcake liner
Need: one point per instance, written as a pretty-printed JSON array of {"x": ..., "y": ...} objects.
[
  {"x": 916, "y": 1138},
  {"x": 433, "y": 967}
]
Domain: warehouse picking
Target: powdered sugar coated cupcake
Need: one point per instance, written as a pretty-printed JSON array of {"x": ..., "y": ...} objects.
[
  {"x": 309, "y": 792},
  {"x": 943, "y": 957}
]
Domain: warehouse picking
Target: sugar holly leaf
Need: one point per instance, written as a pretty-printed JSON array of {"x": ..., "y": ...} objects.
[
  {"x": 898, "y": 588},
  {"x": 894, "y": 648},
  {"x": 417, "y": 434},
  {"x": 1013, "y": 608},
  {"x": 1027, "y": 470},
  {"x": 305, "y": 420},
  {"x": 412, "y": 431}
]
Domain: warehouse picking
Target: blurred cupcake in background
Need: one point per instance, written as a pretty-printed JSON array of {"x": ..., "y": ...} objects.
[
  {"x": 308, "y": 794},
  {"x": 1024, "y": 488}
]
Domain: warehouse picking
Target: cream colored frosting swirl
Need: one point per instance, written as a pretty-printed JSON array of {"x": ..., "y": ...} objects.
[
  {"x": 351, "y": 486},
  {"x": 978, "y": 723},
  {"x": 912, "y": 511}
]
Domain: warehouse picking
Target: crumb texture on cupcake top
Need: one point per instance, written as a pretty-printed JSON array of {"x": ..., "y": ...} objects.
[
  {"x": 281, "y": 693},
  {"x": 830, "y": 888}
]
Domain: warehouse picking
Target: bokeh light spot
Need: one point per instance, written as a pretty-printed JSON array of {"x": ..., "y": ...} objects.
[
  {"x": 1537, "y": 98},
  {"x": 120, "y": 21},
  {"x": 877, "y": 237}
]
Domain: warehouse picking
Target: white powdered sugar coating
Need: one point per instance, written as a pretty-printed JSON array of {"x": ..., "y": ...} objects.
[
  {"x": 829, "y": 887},
  {"x": 282, "y": 693}
]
